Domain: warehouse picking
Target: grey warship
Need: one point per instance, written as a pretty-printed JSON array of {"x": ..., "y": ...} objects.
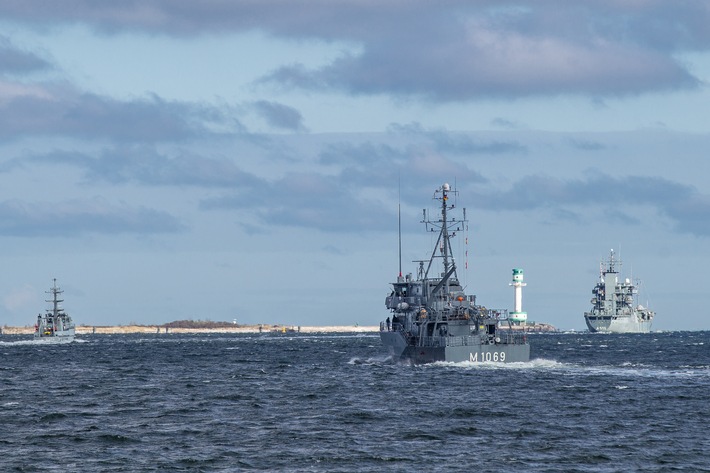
[
  {"x": 55, "y": 324},
  {"x": 613, "y": 305},
  {"x": 433, "y": 319}
]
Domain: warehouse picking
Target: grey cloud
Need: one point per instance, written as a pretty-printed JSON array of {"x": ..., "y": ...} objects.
[
  {"x": 296, "y": 76},
  {"x": 457, "y": 142},
  {"x": 687, "y": 209},
  {"x": 382, "y": 165},
  {"x": 310, "y": 201},
  {"x": 621, "y": 217},
  {"x": 62, "y": 112},
  {"x": 505, "y": 123},
  {"x": 144, "y": 165},
  {"x": 661, "y": 24},
  {"x": 75, "y": 218},
  {"x": 464, "y": 143},
  {"x": 545, "y": 191},
  {"x": 565, "y": 215},
  {"x": 14, "y": 60},
  {"x": 470, "y": 51},
  {"x": 587, "y": 145},
  {"x": 345, "y": 202},
  {"x": 691, "y": 214},
  {"x": 280, "y": 116},
  {"x": 457, "y": 50},
  {"x": 500, "y": 67},
  {"x": 364, "y": 155}
]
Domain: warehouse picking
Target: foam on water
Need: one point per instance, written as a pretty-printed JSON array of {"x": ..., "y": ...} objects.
[
  {"x": 536, "y": 363},
  {"x": 41, "y": 341}
]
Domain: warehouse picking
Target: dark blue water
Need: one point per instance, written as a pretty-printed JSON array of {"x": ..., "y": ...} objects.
[{"x": 334, "y": 403}]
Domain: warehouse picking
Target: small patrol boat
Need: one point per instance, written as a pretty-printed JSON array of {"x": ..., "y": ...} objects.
[
  {"x": 55, "y": 324},
  {"x": 614, "y": 305},
  {"x": 433, "y": 319}
]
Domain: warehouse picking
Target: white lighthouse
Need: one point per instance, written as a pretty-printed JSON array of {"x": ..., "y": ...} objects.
[{"x": 518, "y": 316}]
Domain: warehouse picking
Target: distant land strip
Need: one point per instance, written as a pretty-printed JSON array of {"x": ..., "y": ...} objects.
[
  {"x": 221, "y": 328},
  {"x": 208, "y": 326}
]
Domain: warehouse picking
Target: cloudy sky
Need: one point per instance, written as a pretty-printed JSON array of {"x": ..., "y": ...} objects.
[{"x": 221, "y": 160}]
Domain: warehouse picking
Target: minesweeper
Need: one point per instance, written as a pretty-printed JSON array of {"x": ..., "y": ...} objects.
[
  {"x": 614, "y": 307},
  {"x": 55, "y": 324},
  {"x": 432, "y": 319}
]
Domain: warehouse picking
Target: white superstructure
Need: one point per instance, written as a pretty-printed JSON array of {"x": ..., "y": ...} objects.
[{"x": 614, "y": 308}]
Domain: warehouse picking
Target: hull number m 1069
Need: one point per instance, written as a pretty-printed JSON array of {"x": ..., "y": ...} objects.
[{"x": 487, "y": 356}]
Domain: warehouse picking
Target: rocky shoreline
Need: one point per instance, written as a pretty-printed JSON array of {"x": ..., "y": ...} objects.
[{"x": 533, "y": 328}]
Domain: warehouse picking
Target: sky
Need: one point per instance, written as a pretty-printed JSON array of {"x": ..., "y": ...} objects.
[{"x": 236, "y": 160}]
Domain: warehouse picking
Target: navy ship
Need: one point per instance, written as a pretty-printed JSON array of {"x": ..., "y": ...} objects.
[
  {"x": 55, "y": 324},
  {"x": 614, "y": 307},
  {"x": 433, "y": 319}
]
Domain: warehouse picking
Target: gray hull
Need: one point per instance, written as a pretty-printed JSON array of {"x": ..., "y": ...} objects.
[
  {"x": 59, "y": 336},
  {"x": 471, "y": 350},
  {"x": 617, "y": 324}
]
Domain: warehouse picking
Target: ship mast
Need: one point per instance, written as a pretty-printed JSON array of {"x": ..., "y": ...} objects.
[
  {"x": 444, "y": 226},
  {"x": 399, "y": 229},
  {"x": 443, "y": 243},
  {"x": 55, "y": 291}
]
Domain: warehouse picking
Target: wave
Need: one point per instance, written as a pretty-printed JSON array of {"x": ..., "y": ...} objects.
[
  {"x": 376, "y": 360},
  {"x": 536, "y": 363},
  {"x": 568, "y": 368},
  {"x": 42, "y": 341}
]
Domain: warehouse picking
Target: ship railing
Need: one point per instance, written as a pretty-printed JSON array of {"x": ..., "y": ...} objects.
[
  {"x": 500, "y": 314},
  {"x": 506, "y": 338},
  {"x": 393, "y": 300},
  {"x": 394, "y": 327},
  {"x": 447, "y": 341},
  {"x": 511, "y": 338}
]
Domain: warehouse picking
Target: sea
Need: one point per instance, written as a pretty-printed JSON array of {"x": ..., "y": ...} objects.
[{"x": 337, "y": 403}]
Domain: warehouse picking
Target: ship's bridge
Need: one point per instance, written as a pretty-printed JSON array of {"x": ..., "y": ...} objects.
[{"x": 405, "y": 295}]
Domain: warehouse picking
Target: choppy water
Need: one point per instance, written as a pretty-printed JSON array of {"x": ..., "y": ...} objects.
[{"x": 224, "y": 403}]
